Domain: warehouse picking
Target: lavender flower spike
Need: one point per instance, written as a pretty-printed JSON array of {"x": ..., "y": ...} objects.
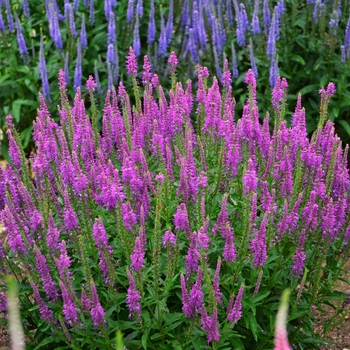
[
  {"x": 133, "y": 297},
  {"x": 131, "y": 64},
  {"x": 130, "y": 10},
  {"x": 83, "y": 37},
  {"x": 20, "y": 38},
  {"x": 43, "y": 71},
  {"x": 26, "y": 8},
  {"x": 9, "y": 16},
  {"x": 151, "y": 34},
  {"x": 234, "y": 313},
  {"x": 112, "y": 38},
  {"x": 78, "y": 74}
]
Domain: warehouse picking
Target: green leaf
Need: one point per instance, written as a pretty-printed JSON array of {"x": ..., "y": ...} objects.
[
  {"x": 260, "y": 297},
  {"x": 299, "y": 59},
  {"x": 55, "y": 338},
  {"x": 309, "y": 88},
  {"x": 253, "y": 325},
  {"x": 345, "y": 125}
]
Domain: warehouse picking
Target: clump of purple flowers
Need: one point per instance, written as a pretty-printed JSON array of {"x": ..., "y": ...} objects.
[{"x": 173, "y": 204}]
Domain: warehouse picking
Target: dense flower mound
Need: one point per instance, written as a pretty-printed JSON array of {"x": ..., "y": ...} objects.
[{"x": 174, "y": 223}]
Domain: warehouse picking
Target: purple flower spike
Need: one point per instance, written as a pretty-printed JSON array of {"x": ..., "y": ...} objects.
[
  {"x": 20, "y": 38},
  {"x": 9, "y": 16},
  {"x": 133, "y": 297},
  {"x": 70, "y": 12},
  {"x": 2, "y": 24},
  {"x": 173, "y": 61},
  {"x": 234, "y": 313},
  {"x": 137, "y": 44},
  {"x": 112, "y": 38},
  {"x": 44, "y": 311},
  {"x": 45, "y": 276},
  {"x": 146, "y": 75},
  {"x": 70, "y": 217},
  {"x": 97, "y": 312},
  {"x": 26, "y": 8},
  {"x": 226, "y": 76},
  {"x": 139, "y": 8},
  {"x": 69, "y": 309},
  {"x": 137, "y": 256},
  {"x": 151, "y": 37},
  {"x": 210, "y": 325},
  {"x": 130, "y": 10},
  {"x": 43, "y": 71},
  {"x": 131, "y": 63},
  {"x": 169, "y": 238},
  {"x": 14, "y": 150},
  {"x": 78, "y": 74},
  {"x": 66, "y": 67},
  {"x": 250, "y": 178},
  {"x": 108, "y": 9},
  {"x": 83, "y": 37}
]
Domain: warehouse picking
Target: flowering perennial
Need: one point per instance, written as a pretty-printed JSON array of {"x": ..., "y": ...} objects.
[{"x": 172, "y": 200}]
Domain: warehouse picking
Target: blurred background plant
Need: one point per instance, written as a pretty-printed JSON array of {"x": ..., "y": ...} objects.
[{"x": 306, "y": 41}]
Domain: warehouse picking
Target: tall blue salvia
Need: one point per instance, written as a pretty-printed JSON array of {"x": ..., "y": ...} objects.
[
  {"x": 78, "y": 74},
  {"x": 201, "y": 29},
  {"x": 162, "y": 39},
  {"x": 76, "y": 5},
  {"x": 112, "y": 37},
  {"x": 139, "y": 8},
  {"x": 185, "y": 17},
  {"x": 110, "y": 54},
  {"x": 54, "y": 27},
  {"x": 23, "y": 51},
  {"x": 92, "y": 12},
  {"x": 114, "y": 3},
  {"x": 244, "y": 18},
  {"x": 252, "y": 58},
  {"x": 116, "y": 65},
  {"x": 347, "y": 35},
  {"x": 2, "y": 24},
  {"x": 266, "y": 17},
  {"x": 192, "y": 47},
  {"x": 83, "y": 37},
  {"x": 136, "y": 43},
  {"x": 229, "y": 12},
  {"x": 271, "y": 42},
  {"x": 277, "y": 19},
  {"x": 255, "y": 19},
  {"x": 70, "y": 14},
  {"x": 130, "y": 10},
  {"x": 221, "y": 29},
  {"x": 169, "y": 23},
  {"x": 26, "y": 8},
  {"x": 43, "y": 71},
  {"x": 108, "y": 9},
  {"x": 273, "y": 71},
  {"x": 66, "y": 68},
  {"x": 343, "y": 54},
  {"x": 234, "y": 61},
  {"x": 240, "y": 32},
  {"x": 151, "y": 34},
  {"x": 10, "y": 23}
]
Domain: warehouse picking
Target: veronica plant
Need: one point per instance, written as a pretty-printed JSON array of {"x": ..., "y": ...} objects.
[{"x": 174, "y": 223}]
